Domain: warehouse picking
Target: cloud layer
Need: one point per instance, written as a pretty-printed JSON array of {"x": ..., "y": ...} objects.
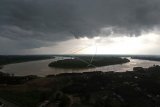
[{"x": 59, "y": 20}]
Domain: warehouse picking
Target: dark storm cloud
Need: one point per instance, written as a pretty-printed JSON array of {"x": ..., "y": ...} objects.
[{"x": 58, "y": 20}]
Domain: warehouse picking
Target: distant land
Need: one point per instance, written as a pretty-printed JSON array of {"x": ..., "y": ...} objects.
[
  {"x": 9, "y": 59},
  {"x": 151, "y": 58}
]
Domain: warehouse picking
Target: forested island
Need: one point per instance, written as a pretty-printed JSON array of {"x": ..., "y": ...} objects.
[
  {"x": 137, "y": 88},
  {"x": 88, "y": 61}
]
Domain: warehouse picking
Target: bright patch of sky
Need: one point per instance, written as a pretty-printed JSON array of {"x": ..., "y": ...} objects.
[{"x": 144, "y": 44}]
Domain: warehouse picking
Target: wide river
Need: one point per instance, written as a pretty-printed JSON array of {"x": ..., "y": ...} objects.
[{"x": 41, "y": 68}]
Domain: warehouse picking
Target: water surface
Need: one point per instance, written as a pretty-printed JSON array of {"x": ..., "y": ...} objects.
[{"x": 41, "y": 68}]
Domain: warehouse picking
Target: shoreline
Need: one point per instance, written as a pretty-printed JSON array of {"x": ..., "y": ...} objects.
[{"x": 40, "y": 68}]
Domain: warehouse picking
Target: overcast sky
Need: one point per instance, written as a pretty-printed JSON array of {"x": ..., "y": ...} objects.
[{"x": 79, "y": 26}]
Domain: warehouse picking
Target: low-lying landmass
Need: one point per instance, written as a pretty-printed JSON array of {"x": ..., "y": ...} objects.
[
  {"x": 151, "y": 58},
  {"x": 88, "y": 61},
  {"x": 137, "y": 88},
  {"x": 9, "y": 59}
]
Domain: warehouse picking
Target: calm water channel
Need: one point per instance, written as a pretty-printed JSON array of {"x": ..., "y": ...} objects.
[{"x": 41, "y": 68}]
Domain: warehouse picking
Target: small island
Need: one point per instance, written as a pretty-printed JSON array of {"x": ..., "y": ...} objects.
[{"x": 88, "y": 62}]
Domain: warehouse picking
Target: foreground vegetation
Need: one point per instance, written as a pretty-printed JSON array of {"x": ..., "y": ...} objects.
[
  {"x": 88, "y": 61},
  {"x": 137, "y": 88},
  {"x": 6, "y": 78}
]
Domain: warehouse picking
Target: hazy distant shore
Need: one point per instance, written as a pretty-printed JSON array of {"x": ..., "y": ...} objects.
[
  {"x": 10, "y": 59},
  {"x": 151, "y": 58}
]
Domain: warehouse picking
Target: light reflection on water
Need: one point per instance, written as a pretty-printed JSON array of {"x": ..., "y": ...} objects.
[{"x": 41, "y": 68}]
